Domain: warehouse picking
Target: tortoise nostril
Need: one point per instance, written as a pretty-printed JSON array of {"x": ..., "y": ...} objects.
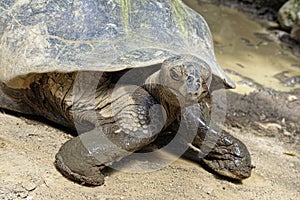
[{"x": 192, "y": 94}]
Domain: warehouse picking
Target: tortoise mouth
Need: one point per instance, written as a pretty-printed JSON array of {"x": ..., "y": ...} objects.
[{"x": 185, "y": 100}]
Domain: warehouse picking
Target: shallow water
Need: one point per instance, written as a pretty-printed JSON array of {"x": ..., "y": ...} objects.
[{"x": 251, "y": 61}]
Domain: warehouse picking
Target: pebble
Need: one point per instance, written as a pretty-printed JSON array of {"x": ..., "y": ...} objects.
[
  {"x": 292, "y": 165},
  {"x": 286, "y": 133},
  {"x": 208, "y": 190},
  {"x": 274, "y": 126},
  {"x": 22, "y": 194},
  {"x": 29, "y": 186},
  {"x": 292, "y": 98},
  {"x": 29, "y": 198}
]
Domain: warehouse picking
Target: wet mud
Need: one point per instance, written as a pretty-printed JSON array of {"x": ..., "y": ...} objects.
[
  {"x": 265, "y": 13},
  {"x": 269, "y": 112}
]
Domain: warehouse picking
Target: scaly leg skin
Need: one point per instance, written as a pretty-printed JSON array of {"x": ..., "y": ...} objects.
[
  {"x": 134, "y": 125},
  {"x": 14, "y": 101},
  {"x": 218, "y": 150},
  {"x": 229, "y": 157}
]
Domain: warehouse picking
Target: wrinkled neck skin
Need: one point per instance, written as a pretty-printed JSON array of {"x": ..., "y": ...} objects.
[{"x": 165, "y": 97}]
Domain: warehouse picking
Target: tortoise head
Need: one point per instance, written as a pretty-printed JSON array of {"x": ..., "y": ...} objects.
[{"x": 187, "y": 77}]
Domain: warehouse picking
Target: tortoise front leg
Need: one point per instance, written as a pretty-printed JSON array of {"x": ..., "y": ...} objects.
[
  {"x": 221, "y": 152},
  {"x": 136, "y": 123}
]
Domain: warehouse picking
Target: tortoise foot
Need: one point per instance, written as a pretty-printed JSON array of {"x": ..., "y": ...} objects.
[
  {"x": 95, "y": 179},
  {"x": 229, "y": 158},
  {"x": 74, "y": 161}
]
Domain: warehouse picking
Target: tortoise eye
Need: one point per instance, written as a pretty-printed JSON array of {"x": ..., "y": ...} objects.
[{"x": 174, "y": 75}]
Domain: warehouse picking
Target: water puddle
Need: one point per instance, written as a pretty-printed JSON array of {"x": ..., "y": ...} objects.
[{"x": 241, "y": 48}]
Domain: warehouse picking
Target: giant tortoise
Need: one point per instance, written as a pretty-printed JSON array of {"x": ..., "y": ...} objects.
[{"x": 120, "y": 73}]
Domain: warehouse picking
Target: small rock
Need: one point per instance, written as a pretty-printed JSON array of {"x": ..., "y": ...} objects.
[
  {"x": 273, "y": 126},
  {"x": 23, "y": 194},
  {"x": 29, "y": 186},
  {"x": 19, "y": 191},
  {"x": 287, "y": 14},
  {"x": 29, "y": 198},
  {"x": 286, "y": 133},
  {"x": 292, "y": 98},
  {"x": 208, "y": 190},
  {"x": 295, "y": 33},
  {"x": 262, "y": 117}
]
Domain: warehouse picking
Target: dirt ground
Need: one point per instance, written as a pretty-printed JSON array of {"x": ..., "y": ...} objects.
[{"x": 271, "y": 133}]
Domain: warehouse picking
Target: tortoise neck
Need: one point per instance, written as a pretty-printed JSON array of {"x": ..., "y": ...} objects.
[{"x": 163, "y": 95}]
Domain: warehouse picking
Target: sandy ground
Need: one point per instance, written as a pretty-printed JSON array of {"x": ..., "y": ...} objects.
[{"x": 27, "y": 150}]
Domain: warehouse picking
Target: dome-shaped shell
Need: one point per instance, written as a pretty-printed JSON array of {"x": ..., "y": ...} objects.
[{"x": 64, "y": 36}]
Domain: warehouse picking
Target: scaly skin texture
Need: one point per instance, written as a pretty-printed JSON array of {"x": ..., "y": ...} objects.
[
  {"x": 114, "y": 120},
  {"x": 218, "y": 150}
]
